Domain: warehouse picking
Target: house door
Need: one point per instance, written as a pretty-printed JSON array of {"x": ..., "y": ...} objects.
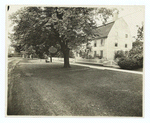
[{"x": 101, "y": 53}]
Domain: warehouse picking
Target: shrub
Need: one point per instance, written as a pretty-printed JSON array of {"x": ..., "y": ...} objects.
[
  {"x": 137, "y": 43},
  {"x": 133, "y": 60},
  {"x": 100, "y": 57},
  {"x": 10, "y": 55},
  {"x": 89, "y": 57},
  {"x": 119, "y": 54},
  {"x": 128, "y": 63},
  {"x": 96, "y": 56}
]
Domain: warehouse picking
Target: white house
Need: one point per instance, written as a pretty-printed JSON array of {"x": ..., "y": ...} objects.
[{"x": 110, "y": 38}]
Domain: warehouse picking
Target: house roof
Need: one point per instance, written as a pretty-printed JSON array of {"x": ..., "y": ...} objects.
[{"x": 102, "y": 31}]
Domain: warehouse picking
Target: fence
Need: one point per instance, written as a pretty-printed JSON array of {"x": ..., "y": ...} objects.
[{"x": 103, "y": 62}]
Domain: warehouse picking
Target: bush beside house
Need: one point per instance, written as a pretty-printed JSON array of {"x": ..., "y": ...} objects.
[
  {"x": 129, "y": 63},
  {"x": 131, "y": 60}
]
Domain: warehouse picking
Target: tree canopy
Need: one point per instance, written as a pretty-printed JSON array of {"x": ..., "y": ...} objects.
[{"x": 62, "y": 27}]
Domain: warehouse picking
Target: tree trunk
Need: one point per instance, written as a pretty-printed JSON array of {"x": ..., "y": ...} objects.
[{"x": 66, "y": 58}]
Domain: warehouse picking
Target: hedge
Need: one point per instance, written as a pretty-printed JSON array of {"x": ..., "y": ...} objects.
[
  {"x": 133, "y": 60},
  {"x": 130, "y": 63}
]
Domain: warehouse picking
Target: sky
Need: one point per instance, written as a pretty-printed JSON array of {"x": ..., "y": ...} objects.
[{"x": 133, "y": 15}]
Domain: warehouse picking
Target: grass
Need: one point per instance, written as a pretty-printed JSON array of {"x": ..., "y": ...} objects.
[{"x": 85, "y": 91}]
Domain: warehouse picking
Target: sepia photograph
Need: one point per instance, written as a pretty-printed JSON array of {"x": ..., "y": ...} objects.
[{"x": 75, "y": 60}]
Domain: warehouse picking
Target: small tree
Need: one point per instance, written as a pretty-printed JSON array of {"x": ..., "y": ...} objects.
[
  {"x": 140, "y": 36},
  {"x": 140, "y": 33}
]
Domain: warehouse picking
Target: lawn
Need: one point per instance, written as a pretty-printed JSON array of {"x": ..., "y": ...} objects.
[{"x": 83, "y": 91}]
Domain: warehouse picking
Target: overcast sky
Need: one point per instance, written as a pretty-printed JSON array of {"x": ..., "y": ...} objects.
[{"x": 133, "y": 15}]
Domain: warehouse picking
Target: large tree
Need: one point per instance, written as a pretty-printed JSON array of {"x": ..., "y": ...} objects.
[{"x": 61, "y": 27}]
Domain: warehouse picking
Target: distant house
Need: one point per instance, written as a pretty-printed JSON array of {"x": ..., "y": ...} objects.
[{"x": 110, "y": 38}]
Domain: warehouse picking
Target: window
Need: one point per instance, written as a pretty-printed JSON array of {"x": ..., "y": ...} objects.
[
  {"x": 95, "y": 43},
  {"x": 94, "y": 53},
  {"x": 102, "y": 42},
  {"x": 101, "y": 53},
  {"x": 116, "y": 44},
  {"x": 126, "y": 45},
  {"x": 126, "y": 35}
]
